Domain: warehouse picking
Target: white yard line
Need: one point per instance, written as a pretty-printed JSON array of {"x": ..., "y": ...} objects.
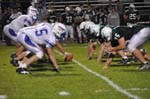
[
  {"x": 138, "y": 89},
  {"x": 3, "y": 97},
  {"x": 111, "y": 83}
]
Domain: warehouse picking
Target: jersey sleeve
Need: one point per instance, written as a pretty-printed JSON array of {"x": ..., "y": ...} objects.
[
  {"x": 50, "y": 40},
  {"x": 27, "y": 22}
]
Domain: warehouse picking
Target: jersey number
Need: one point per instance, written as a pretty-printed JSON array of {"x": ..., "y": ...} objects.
[
  {"x": 41, "y": 32},
  {"x": 132, "y": 16},
  {"x": 69, "y": 19}
]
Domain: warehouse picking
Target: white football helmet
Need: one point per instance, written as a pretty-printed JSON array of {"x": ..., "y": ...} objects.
[
  {"x": 33, "y": 12},
  {"x": 132, "y": 5},
  {"x": 59, "y": 29},
  {"x": 67, "y": 9},
  {"x": 78, "y": 9},
  {"x": 106, "y": 33},
  {"x": 94, "y": 29},
  {"x": 87, "y": 17}
]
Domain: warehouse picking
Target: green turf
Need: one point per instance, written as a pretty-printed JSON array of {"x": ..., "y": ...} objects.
[{"x": 44, "y": 83}]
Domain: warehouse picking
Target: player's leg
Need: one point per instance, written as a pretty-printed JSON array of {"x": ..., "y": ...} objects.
[
  {"x": 31, "y": 46},
  {"x": 109, "y": 60},
  {"x": 125, "y": 59},
  {"x": 91, "y": 48},
  {"x": 71, "y": 32},
  {"x": 136, "y": 41},
  {"x": 10, "y": 33}
]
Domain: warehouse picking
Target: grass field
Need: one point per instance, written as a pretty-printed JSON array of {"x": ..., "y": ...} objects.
[{"x": 79, "y": 79}]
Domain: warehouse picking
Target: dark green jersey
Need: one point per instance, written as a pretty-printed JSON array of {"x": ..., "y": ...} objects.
[
  {"x": 132, "y": 15},
  {"x": 120, "y": 32},
  {"x": 137, "y": 28},
  {"x": 123, "y": 31}
]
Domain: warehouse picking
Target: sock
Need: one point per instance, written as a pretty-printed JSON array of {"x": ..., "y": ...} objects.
[
  {"x": 22, "y": 65},
  {"x": 145, "y": 62},
  {"x": 125, "y": 57}
]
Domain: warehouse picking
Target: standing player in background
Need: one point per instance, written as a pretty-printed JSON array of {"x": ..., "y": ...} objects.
[
  {"x": 68, "y": 20},
  {"x": 131, "y": 16}
]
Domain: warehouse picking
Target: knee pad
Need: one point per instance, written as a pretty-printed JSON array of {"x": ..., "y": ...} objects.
[{"x": 39, "y": 54}]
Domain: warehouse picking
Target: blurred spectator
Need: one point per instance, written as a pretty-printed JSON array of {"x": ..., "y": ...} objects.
[
  {"x": 77, "y": 20},
  {"x": 120, "y": 9},
  {"x": 113, "y": 17},
  {"x": 96, "y": 17},
  {"x": 4, "y": 21},
  {"x": 42, "y": 9},
  {"x": 1, "y": 23},
  {"x": 53, "y": 16},
  {"x": 100, "y": 16},
  {"x": 131, "y": 16},
  {"x": 103, "y": 17},
  {"x": 89, "y": 11}
]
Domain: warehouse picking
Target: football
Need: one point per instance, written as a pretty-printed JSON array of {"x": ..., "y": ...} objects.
[{"x": 68, "y": 57}]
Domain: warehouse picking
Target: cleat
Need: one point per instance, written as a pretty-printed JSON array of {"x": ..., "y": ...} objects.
[
  {"x": 22, "y": 71},
  {"x": 125, "y": 61},
  {"x": 14, "y": 62},
  {"x": 144, "y": 67},
  {"x": 89, "y": 58},
  {"x": 13, "y": 55},
  {"x": 134, "y": 59},
  {"x": 56, "y": 70}
]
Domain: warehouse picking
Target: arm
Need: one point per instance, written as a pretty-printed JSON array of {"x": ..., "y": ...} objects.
[
  {"x": 52, "y": 57},
  {"x": 60, "y": 47},
  {"x": 121, "y": 45},
  {"x": 101, "y": 50},
  {"x": 109, "y": 60}
]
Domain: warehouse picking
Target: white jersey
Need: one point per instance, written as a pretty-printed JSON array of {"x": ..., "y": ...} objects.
[
  {"x": 86, "y": 25},
  {"x": 15, "y": 15},
  {"x": 41, "y": 34},
  {"x": 20, "y": 22}
]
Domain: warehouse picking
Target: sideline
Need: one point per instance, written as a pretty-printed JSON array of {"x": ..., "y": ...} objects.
[{"x": 111, "y": 83}]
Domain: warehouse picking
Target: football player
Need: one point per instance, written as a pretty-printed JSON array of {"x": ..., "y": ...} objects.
[
  {"x": 68, "y": 20},
  {"x": 114, "y": 41},
  {"x": 31, "y": 38},
  {"x": 131, "y": 16},
  {"x": 87, "y": 28},
  {"x": 118, "y": 38},
  {"x": 12, "y": 28}
]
